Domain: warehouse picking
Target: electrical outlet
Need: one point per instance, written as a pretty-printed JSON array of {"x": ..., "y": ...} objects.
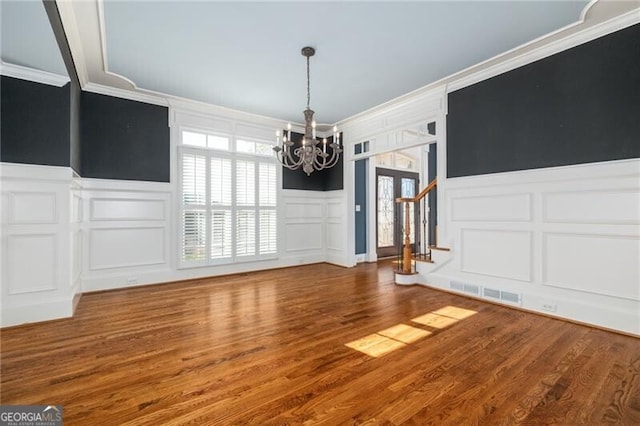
[
  {"x": 132, "y": 280},
  {"x": 550, "y": 307}
]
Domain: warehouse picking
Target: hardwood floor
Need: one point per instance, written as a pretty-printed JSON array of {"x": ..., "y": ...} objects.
[{"x": 270, "y": 348}]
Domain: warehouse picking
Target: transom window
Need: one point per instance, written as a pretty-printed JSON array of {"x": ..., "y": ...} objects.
[{"x": 228, "y": 199}]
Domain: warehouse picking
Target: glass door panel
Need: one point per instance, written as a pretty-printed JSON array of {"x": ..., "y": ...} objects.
[
  {"x": 392, "y": 184},
  {"x": 386, "y": 211}
]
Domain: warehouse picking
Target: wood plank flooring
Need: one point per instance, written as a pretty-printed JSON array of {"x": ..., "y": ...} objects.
[{"x": 270, "y": 348}]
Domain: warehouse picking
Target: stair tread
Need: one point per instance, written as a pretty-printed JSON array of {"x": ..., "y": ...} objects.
[
  {"x": 423, "y": 259},
  {"x": 439, "y": 248}
]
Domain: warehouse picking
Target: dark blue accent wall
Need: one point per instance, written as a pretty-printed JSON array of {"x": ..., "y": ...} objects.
[
  {"x": 124, "y": 139},
  {"x": 432, "y": 161},
  {"x": 578, "y": 106},
  {"x": 361, "y": 167},
  {"x": 35, "y": 126}
]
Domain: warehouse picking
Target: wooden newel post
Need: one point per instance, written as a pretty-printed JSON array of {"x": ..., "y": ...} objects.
[{"x": 406, "y": 251}]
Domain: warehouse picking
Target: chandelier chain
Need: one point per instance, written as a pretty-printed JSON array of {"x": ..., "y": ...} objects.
[{"x": 308, "y": 84}]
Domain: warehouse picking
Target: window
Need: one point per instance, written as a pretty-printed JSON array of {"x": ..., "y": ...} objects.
[{"x": 228, "y": 196}]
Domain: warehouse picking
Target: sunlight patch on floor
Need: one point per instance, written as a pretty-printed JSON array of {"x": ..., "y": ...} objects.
[
  {"x": 404, "y": 333},
  {"x": 455, "y": 312},
  {"x": 444, "y": 317},
  {"x": 401, "y": 335},
  {"x": 375, "y": 345}
]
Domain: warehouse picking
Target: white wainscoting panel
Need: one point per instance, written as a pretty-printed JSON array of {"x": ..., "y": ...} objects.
[
  {"x": 303, "y": 236},
  {"x": 612, "y": 206},
  {"x": 32, "y": 207},
  {"x": 500, "y": 207},
  {"x": 126, "y": 233},
  {"x": 303, "y": 211},
  {"x": 32, "y": 262},
  {"x": 498, "y": 253},
  {"x": 130, "y": 247},
  {"x": 303, "y": 222},
  {"x": 127, "y": 209},
  {"x": 335, "y": 236},
  {"x": 334, "y": 209},
  {"x": 569, "y": 245},
  {"x": 35, "y": 235},
  {"x": 592, "y": 263}
]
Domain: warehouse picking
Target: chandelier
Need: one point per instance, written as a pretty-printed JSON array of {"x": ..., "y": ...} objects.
[{"x": 308, "y": 155}]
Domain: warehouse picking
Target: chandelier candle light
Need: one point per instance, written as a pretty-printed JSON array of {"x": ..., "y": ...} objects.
[{"x": 310, "y": 156}]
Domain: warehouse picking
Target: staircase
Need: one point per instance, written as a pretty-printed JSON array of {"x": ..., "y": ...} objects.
[{"x": 416, "y": 261}]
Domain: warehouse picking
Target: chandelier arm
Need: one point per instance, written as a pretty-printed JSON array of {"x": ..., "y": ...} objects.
[
  {"x": 319, "y": 160},
  {"x": 332, "y": 161},
  {"x": 290, "y": 158},
  {"x": 288, "y": 161}
]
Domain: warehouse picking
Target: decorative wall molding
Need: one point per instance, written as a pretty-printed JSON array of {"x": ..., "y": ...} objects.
[
  {"x": 611, "y": 206},
  {"x": 23, "y": 252},
  {"x": 491, "y": 208},
  {"x": 126, "y": 247},
  {"x": 27, "y": 208},
  {"x": 578, "y": 253},
  {"x": 32, "y": 74},
  {"x": 593, "y": 263},
  {"x": 605, "y": 170},
  {"x": 36, "y": 235},
  {"x": 385, "y": 121},
  {"x": 499, "y": 253},
  {"x": 127, "y": 209},
  {"x": 10, "y": 172},
  {"x": 124, "y": 186}
]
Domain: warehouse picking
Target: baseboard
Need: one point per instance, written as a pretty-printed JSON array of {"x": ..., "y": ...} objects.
[
  {"x": 128, "y": 279},
  {"x": 37, "y": 312},
  {"x": 623, "y": 319}
]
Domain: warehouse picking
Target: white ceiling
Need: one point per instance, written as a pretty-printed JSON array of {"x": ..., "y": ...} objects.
[
  {"x": 246, "y": 55},
  {"x": 26, "y": 38}
]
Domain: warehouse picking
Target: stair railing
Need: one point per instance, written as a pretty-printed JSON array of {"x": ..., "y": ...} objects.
[{"x": 405, "y": 254}]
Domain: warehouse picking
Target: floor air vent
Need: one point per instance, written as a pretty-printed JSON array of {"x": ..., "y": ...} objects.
[
  {"x": 456, "y": 285},
  {"x": 510, "y": 297},
  {"x": 467, "y": 288},
  {"x": 489, "y": 292}
]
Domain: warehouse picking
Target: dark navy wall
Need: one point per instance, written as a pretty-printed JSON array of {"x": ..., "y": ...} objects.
[
  {"x": 35, "y": 123},
  {"x": 361, "y": 200},
  {"x": 322, "y": 180},
  {"x": 578, "y": 106},
  {"x": 432, "y": 220},
  {"x": 124, "y": 139}
]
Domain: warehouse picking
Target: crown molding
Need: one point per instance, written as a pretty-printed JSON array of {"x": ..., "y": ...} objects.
[
  {"x": 149, "y": 98},
  {"x": 31, "y": 74},
  {"x": 565, "y": 43},
  {"x": 509, "y": 60},
  {"x": 70, "y": 26}
]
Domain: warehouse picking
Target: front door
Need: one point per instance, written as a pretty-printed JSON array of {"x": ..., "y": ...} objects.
[{"x": 392, "y": 184}]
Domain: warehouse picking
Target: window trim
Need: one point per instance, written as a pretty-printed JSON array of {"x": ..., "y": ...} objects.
[{"x": 234, "y": 156}]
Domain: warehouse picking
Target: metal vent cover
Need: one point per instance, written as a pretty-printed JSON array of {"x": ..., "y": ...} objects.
[
  {"x": 490, "y": 292},
  {"x": 456, "y": 285},
  {"x": 510, "y": 297}
]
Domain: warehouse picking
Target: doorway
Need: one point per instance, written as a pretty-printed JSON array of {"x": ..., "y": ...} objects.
[{"x": 392, "y": 184}]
